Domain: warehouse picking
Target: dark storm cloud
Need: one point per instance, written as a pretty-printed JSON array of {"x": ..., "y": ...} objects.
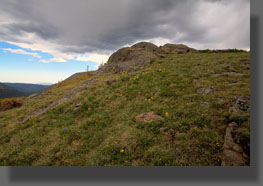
[{"x": 105, "y": 25}]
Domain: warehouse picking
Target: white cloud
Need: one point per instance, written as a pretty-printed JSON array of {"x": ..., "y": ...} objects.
[
  {"x": 98, "y": 58},
  {"x": 91, "y": 30},
  {"x": 20, "y": 51},
  {"x": 59, "y": 60}
]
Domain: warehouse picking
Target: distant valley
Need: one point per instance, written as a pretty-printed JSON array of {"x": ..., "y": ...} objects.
[{"x": 8, "y": 90}]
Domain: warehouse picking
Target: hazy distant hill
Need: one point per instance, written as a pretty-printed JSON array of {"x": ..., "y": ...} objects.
[
  {"x": 28, "y": 88},
  {"x": 6, "y": 91},
  {"x": 20, "y": 89}
]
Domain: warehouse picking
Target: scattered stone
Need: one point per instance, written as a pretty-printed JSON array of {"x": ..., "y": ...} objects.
[
  {"x": 192, "y": 103},
  {"x": 233, "y": 124},
  {"x": 110, "y": 82},
  {"x": 232, "y": 81},
  {"x": 212, "y": 72},
  {"x": 195, "y": 81},
  {"x": 245, "y": 62},
  {"x": 228, "y": 74},
  {"x": 240, "y": 103},
  {"x": 220, "y": 100},
  {"x": 205, "y": 104},
  {"x": 78, "y": 104},
  {"x": 206, "y": 90},
  {"x": 148, "y": 117},
  {"x": 156, "y": 94},
  {"x": 163, "y": 129}
]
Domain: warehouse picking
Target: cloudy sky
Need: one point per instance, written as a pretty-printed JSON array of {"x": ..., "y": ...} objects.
[{"x": 46, "y": 41}]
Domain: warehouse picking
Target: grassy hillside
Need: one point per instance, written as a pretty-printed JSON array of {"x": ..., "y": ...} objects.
[{"x": 97, "y": 126}]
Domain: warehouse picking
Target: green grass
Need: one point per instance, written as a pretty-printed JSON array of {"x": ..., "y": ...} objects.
[{"x": 96, "y": 132}]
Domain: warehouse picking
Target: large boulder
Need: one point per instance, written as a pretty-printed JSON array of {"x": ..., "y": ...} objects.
[{"x": 129, "y": 59}]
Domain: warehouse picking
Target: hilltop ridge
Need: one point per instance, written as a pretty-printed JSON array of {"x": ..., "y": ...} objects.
[{"x": 171, "y": 105}]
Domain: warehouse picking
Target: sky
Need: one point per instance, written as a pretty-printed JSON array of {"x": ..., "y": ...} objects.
[{"x": 47, "y": 41}]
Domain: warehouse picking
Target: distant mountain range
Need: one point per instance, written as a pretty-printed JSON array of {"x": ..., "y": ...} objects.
[{"x": 20, "y": 89}]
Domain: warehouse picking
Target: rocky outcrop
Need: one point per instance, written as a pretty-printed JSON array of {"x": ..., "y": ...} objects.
[
  {"x": 180, "y": 48},
  {"x": 139, "y": 55},
  {"x": 129, "y": 59},
  {"x": 145, "y": 46}
]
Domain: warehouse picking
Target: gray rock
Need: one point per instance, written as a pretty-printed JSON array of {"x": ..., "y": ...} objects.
[
  {"x": 228, "y": 74},
  {"x": 237, "y": 148},
  {"x": 206, "y": 90},
  {"x": 110, "y": 82},
  {"x": 205, "y": 104},
  {"x": 163, "y": 129},
  {"x": 245, "y": 62},
  {"x": 229, "y": 142},
  {"x": 240, "y": 103},
  {"x": 232, "y": 158}
]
